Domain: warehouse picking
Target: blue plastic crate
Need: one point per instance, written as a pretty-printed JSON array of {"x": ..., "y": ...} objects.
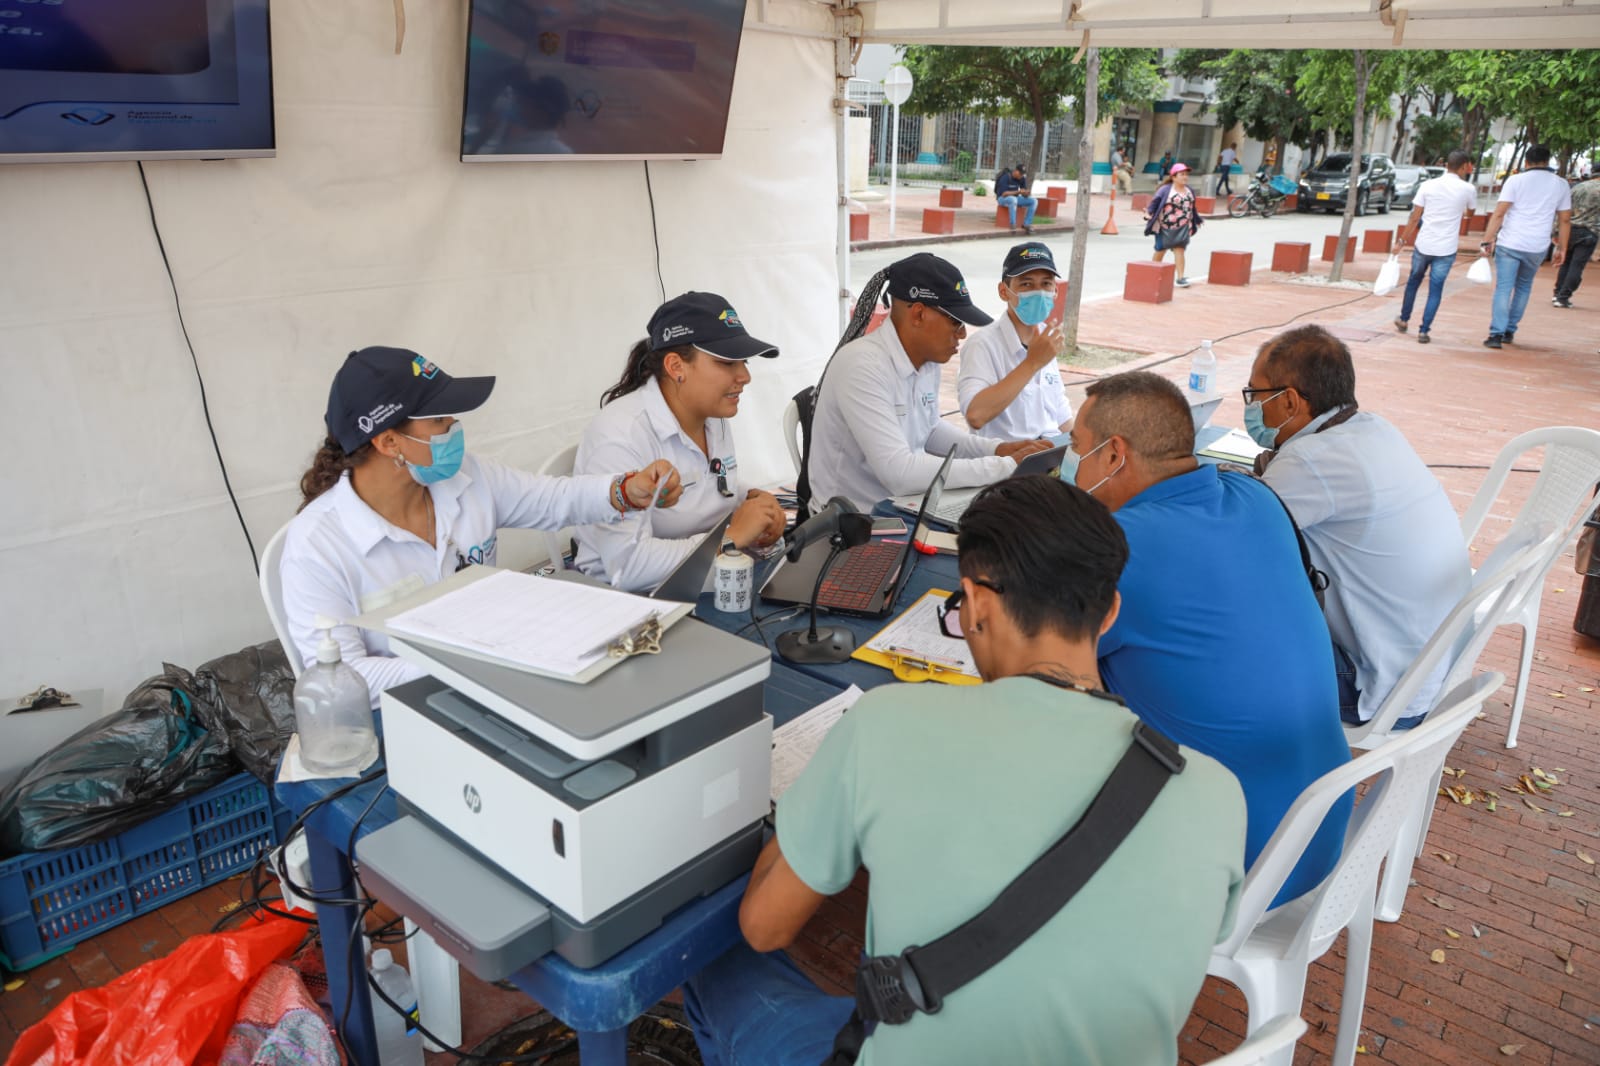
[{"x": 52, "y": 900}]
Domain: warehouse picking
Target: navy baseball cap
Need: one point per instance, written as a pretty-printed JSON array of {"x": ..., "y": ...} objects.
[
  {"x": 924, "y": 278},
  {"x": 378, "y": 388},
  {"x": 1030, "y": 256},
  {"x": 705, "y": 321}
]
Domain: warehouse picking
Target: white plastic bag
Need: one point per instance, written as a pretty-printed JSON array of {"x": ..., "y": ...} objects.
[
  {"x": 1480, "y": 271},
  {"x": 1388, "y": 277}
]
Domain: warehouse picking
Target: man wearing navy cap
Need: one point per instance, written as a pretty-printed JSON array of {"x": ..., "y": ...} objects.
[
  {"x": 876, "y": 431},
  {"x": 1010, "y": 386}
]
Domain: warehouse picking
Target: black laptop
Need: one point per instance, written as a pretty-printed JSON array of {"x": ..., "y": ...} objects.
[{"x": 863, "y": 581}]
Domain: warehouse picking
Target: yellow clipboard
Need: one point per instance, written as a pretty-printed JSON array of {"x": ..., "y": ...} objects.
[{"x": 912, "y": 666}]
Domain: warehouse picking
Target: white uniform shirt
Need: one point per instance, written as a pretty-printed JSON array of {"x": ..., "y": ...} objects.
[
  {"x": 1040, "y": 408},
  {"x": 877, "y": 431},
  {"x": 1443, "y": 201},
  {"x": 1228, "y": 156},
  {"x": 1535, "y": 196},
  {"x": 639, "y": 551},
  {"x": 341, "y": 558},
  {"x": 1379, "y": 525}
]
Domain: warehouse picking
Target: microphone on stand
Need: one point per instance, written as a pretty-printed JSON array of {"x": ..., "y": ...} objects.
[{"x": 844, "y": 527}]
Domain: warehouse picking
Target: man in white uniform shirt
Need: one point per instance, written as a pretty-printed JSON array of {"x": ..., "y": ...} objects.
[
  {"x": 876, "y": 431},
  {"x": 1519, "y": 234},
  {"x": 1437, "y": 210},
  {"x": 1010, "y": 386},
  {"x": 1375, "y": 518}
]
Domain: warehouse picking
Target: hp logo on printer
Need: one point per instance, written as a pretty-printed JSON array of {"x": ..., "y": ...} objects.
[{"x": 474, "y": 801}]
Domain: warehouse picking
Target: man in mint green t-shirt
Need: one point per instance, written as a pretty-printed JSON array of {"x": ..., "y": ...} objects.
[{"x": 945, "y": 794}]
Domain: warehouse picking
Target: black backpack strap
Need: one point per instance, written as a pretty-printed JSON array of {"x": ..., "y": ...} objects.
[
  {"x": 1318, "y": 579},
  {"x": 892, "y": 989}
]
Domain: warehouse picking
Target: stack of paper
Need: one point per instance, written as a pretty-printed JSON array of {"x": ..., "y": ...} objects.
[
  {"x": 794, "y": 743},
  {"x": 1235, "y": 446}
]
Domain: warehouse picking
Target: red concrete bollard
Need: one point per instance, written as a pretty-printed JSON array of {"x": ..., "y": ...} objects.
[
  {"x": 858, "y": 225},
  {"x": 1149, "y": 283},
  {"x": 1141, "y": 200},
  {"x": 1229, "y": 268},
  {"x": 1377, "y": 240},
  {"x": 1205, "y": 205},
  {"x": 1047, "y": 207},
  {"x": 952, "y": 197},
  {"x": 1058, "y": 193},
  {"x": 1331, "y": 242},
  {"x": 1291, "y": 202},
  {"x": 938, "y": 220},
  {"x": 1291, "y": 257},
  {"x": 1477, "y": 223}
]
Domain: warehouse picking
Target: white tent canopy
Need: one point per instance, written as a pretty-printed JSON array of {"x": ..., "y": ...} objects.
[{"x": 1443, "y": 24}]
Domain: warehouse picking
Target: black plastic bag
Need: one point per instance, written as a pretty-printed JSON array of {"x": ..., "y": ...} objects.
[
  {"x": 252, "y": 693},
  {"x": 119, "y": 771}
]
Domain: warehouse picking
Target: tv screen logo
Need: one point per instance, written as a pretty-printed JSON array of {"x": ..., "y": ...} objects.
[{"x": 88, "y": 116}]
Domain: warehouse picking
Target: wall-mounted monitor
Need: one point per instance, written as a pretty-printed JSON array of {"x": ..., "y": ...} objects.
[
  {"x": 95, "y": 80},
  {"x": 599, "y": 79}
]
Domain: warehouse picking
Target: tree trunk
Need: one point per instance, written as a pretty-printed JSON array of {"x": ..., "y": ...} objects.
[
  {"x": 1080, "y": 213},
  {"x": 1357, "y": 146},
  {"x": 1400, "y": 125},
  {"x": 1036, "y": 153}
]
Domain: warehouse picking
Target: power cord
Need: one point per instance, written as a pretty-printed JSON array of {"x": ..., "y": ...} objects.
[
  {"x": 655, "y": 234},
  {"x": 205, "y": 406}
]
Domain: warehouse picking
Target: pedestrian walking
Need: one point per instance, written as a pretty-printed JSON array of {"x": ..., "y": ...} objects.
[
  {"x": 1585, "y": 230},
  {"x": 1519, "y": 235},
  {"x": 1225, "y": 162},
  {"x": 1433, "y": 232},
  {"x": 1173, "y": 220}
]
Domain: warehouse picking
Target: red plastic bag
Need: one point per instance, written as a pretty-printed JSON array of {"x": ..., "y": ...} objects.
[{"x": 174, "y": 1011}]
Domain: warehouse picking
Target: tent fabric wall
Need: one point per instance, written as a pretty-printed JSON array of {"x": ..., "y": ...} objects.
[{"x": 118, "y": 545}]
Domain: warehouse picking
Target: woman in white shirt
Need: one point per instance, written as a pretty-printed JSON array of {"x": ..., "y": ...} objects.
[
  {"x": 681, "y": 385},
  {"x": 393, "y": 503}
]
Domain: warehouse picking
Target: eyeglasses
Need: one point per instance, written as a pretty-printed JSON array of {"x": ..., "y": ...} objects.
[
  {"x": 949, "y": 611},
  {"x": 1250, "y": 394},
  {"x": 722, "y": 477}
]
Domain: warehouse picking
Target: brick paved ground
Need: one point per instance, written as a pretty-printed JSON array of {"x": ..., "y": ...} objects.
[{"x": 1513, "y": 876}]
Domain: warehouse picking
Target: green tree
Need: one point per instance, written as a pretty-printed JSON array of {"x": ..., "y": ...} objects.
[
  {"x": 1032, "y": 84},
  {"x": 1436, "y": 137},
  {"x": 1255, "y": 89}
]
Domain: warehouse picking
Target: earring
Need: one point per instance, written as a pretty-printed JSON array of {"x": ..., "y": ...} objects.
[
  {"x": 399, "y": 462},
  {"x": 978, "y": 628},
  {"x": 679, "y": 381}
]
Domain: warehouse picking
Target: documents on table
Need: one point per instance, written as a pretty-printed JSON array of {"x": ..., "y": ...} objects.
[
  {"x": 914, "y": 648},
  {"x": 1233, "y": 446},
  {"x": 561, "y": 629},
  {"x": 794, "y": 743}
]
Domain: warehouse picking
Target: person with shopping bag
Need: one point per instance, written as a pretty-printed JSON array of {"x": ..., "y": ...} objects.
[
  {"x": 1433, "y": 231},
  {"x": 1172, "y": 219}
]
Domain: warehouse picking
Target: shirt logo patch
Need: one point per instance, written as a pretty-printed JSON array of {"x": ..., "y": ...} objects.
[{"x": 928, "y": 399}]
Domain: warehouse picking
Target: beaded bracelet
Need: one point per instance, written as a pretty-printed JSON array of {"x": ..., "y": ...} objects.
[{"x": 619, "y": 498}]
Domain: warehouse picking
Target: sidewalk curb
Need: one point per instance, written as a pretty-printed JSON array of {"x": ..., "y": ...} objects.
[{"x": 1039, "y": 232}]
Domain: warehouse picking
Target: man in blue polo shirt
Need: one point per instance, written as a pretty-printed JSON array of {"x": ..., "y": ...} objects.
[{"x": 1220, "y": 644}]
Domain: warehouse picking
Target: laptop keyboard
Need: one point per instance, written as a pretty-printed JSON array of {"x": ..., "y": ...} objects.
[
  {"x": 858, "y": 575},
  {"x": 950, "y": 511}
]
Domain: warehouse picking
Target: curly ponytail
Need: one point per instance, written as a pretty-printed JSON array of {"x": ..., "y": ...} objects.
[
  {"x": 327, "y": 467},
  {"x": 643, "y": 364}
]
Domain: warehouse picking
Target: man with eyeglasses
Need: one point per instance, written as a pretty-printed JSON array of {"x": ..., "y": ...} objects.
[
  {"x": 876, "y": 431},
  {"x": 944, "y": 794},
  {"x": 1220, "y": 644},
  {"x": 1375, "y": 519}
]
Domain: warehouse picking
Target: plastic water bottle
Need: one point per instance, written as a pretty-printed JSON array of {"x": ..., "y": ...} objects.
[
  {"x": 1203, "y": 370},
  {"x": 399, "y": 1041},
  {"x": 333, "y": 712}
]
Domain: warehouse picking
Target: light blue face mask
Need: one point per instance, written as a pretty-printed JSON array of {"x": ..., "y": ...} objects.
[
  {"x": 1069, "y": 465},
  {"x": 1033, "y": 307},
  {"x": 447, "y": 450},
  {"x": 1255, "y": 422}
]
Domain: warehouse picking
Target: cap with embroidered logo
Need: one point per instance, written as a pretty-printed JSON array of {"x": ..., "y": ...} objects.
[
  {"x": 379, "y": 388},
  {"x": 705, "y": 321},
  {"x": 926, "y": 279},
  {"x": 1030, "y": 256}
]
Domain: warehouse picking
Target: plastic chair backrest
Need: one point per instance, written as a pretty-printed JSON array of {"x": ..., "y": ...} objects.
[
  {"x": 1398, "y": 771},
  {"x": 556, "y": 540},
  {"x": 791, "y": 434},
  {"x": 1274, "y": 1035},
  {"x": 1565, "y": 483},
  {"x": 272, "y": 596},
  {"x": 1461, "y": 637}
]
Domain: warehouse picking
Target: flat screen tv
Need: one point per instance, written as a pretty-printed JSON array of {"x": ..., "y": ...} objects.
[
  {"x": 599, "y": 79},
  {"x": 94, "y": 80}
]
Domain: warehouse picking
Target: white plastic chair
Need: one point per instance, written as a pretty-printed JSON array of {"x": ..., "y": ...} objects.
[
  {"x": 1458, "y": 642},
  {"x": 1280, "y": 1033},
  {"x": 1270, "y": 950},
  {"x": 272, "y": 596},
  {"x": 791, "y": 434},
  {"x": 556, "y": 541},
  {"x": 1566, "y": 481}
]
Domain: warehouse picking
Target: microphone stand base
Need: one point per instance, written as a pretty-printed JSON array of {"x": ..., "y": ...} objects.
[{"x": 833, "y": 645}]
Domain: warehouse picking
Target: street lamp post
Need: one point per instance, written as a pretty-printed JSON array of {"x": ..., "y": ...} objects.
[{"x": 897, "y": 90}]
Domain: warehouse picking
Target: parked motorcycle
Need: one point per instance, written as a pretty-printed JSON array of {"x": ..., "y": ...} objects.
[{"x": 1265, "y": 195}]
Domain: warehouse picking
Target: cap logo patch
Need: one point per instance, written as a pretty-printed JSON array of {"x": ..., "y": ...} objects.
[
  {"x": 1034, "y": 253},
  {"x": 379, "y": 415},
  {"x": 730, "y": 318},
  {"x": 421, "y": 368},
  {"x": 918, "y": 292},
  {"x": 961, "y": 288},
  {"x": 672, "y": 333}
]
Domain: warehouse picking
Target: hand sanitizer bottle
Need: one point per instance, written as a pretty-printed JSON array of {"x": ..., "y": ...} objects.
[{"x": 333, "y": 712}]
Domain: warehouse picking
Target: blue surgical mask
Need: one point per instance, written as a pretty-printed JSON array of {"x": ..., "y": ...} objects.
[
  {"x": 1069, "y": 465},
  {"x": 1255, "y": 423},
  {"x": 1033, "y": 307},
  {"x": 447, "y": 450}
]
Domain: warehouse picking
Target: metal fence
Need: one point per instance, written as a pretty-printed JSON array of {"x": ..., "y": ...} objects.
[{"x": 961, "y": 146}]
